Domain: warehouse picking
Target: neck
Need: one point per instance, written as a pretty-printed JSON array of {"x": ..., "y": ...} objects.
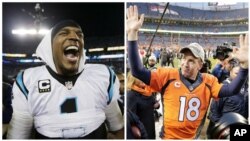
[
  {"x": 194, "y": 77},
  {"x": 66, "y": 72}
]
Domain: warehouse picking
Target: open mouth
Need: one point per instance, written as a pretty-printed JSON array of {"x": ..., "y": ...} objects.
[{"x": 71, "y": 53}]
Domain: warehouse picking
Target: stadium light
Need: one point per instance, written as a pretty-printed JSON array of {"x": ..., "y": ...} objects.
[
  {"x": 43, "y": 31},
  {"x": 115, "y": 48},
  {"x": 111, "y": 56},
  {"x": 23, "y": 31},
  {"x": 96, "y": 49},
  {"x": 13, "y": 55}
]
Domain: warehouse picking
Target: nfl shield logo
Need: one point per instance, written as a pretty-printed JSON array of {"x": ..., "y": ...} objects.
[{"x": 69, "y": 85}]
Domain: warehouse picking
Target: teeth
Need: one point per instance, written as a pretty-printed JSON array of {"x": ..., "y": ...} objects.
[{"x": 71, "y": 48}]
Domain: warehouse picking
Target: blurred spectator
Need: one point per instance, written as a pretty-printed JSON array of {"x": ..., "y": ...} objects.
[
  {"x": 152, "y": 61},
  {"x": 171, "y": 58},
  {"x": 157, "y": 53},
  {"x": 141, "y": 104},
  {"x": 221, "y": 70},
  {"x": 120, "y": 76},
  {"x": 152, "y": 66},
  {"x": 164, "y": 57},
  {"x": 237, "y": 103},
  {"x": 7, "y": 108},
  {"x": 135, "y": 128}
]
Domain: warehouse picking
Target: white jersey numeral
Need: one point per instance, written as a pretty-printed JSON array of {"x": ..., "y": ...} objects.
[{"x": 192, "y": 112}]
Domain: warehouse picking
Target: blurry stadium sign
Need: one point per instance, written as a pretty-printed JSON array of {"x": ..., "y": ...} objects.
[{"x": 160, "y": 9}]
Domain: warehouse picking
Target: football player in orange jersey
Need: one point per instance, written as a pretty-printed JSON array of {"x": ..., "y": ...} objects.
[{"x": 186, "y": 92}]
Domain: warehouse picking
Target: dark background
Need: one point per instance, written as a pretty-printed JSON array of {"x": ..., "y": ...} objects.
[
  {"x": 102, "y": 25},
  {"x": 99, "y": 21}
]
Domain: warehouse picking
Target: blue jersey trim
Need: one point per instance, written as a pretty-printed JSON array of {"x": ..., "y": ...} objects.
[
  {"x": 20, "y": 84},
  {"x": 112, "y": 78}
]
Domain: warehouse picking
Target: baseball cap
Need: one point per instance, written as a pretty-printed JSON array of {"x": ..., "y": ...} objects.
[
  {"x": 196, "y": 49},
  {"x": 152, "y": 57}
]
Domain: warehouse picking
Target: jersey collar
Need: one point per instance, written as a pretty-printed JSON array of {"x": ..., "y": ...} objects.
[{"x": 191, "y": 86}]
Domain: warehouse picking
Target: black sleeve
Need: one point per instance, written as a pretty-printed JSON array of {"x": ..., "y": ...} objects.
[
  {"x": 137, "y": 68},
  {"x": 235, "y": 86}
]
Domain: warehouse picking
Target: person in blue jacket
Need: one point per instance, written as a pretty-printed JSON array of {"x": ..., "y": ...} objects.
[{"x": 237, "y": 103}]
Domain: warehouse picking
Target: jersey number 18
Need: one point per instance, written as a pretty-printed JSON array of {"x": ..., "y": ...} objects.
[{"x": 192, "y": 111}]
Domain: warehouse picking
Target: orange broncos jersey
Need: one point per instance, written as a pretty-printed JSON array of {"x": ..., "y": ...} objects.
[{"x": 184, "y": 104}]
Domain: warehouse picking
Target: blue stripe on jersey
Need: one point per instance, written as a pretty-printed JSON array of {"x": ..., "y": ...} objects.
[
  {"x": 20, "y": 84},
  {"x": 112, "y": 78}
]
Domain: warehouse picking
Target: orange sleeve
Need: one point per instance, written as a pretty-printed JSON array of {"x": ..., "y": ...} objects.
[
  {"x": 147, "y": 91},
  {"x": 158, "y": 78}
]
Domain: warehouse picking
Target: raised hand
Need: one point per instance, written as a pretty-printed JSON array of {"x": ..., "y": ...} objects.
[
  {"x": 242, "y": 53},
  {"x": 133, "y": 23}
]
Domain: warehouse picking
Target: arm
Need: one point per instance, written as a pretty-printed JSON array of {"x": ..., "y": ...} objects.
[
  {"x": 133, "y": 26},
  {"x": 22, "y": 121},
  {"x": 20, "y": 126},
  {"x": 114, "y": 120},
  {"x": 137, "y": 68},
  {"x": 235, "y": 86},
  {"x": 242, "y": 55}
]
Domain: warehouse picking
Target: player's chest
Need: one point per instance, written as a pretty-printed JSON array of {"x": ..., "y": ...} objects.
[
  {"x": 47, "y": 86},
  {"x": 178, "y": 89},
  {"x": 50, "y": 96}
]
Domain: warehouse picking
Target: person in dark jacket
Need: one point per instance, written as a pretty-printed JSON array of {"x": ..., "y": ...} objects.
[
  {"x": 237, "y": 103},
  {"x": 164, "y": 57},
  {"x": 221, "y": 70},
  {"x": 7, "y": 108},
  {"x": 141, "y": 103}
]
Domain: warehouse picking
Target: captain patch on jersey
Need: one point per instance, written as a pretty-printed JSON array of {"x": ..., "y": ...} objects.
[{"x": 44, "y": 86}]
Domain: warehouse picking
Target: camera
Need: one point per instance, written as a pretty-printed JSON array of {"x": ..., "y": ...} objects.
[
  {"x": 221, "y": 129},
  {"x": 222, "y": 51}
]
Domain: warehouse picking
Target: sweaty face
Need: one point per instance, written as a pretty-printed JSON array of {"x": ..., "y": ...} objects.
[
  {"x": 67, "y": 48},
  {"x": 190, "y": 65}
]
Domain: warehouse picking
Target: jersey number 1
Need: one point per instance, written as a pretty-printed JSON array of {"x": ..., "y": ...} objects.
[
  {"x": 69, "y": 106},
  {"x": 192, "y": 112}
]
